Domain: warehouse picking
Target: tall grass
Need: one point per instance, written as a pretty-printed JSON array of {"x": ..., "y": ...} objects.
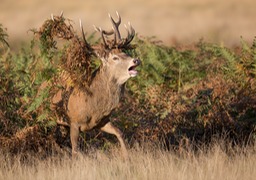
[{"x": 144, "y": 163}]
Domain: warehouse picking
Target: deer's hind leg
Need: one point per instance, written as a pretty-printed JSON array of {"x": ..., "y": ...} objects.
[{"x": 111, "y": 129}]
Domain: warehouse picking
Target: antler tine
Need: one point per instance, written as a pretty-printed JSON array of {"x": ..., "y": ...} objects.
[
  {"x": 130, "y": 34},
  {"x": 131, "y": 29},
  {"x": 52, "y": 17},
  {"x": 103, "y": 33},
  {"x": 116, "y": 26},
  {"x": 61, "y": 14},
  {"x": 83, "y": 34}
]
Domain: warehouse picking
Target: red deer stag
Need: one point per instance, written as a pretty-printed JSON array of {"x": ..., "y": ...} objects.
[{"x": 87, "y": 111}]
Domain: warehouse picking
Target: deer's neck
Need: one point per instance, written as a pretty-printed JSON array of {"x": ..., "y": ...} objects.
[{"x": 106, "y": 88}]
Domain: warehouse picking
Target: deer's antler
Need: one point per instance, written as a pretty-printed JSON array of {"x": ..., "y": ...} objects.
[
  {"x": 118, "y": 41},
  {"x": 116, "y": 27},
  {"x": 103, "y": 33},
  {"x": 83, "y": 34},
  {"x": 130, "y": 35}
]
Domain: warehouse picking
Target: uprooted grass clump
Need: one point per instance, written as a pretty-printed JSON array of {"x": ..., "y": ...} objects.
[
  {"x": 182, "y": 95},
  {"x": 77, "y": 54}
]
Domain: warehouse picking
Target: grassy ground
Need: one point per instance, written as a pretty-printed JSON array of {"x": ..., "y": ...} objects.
[{"x": 144, "y": 163}]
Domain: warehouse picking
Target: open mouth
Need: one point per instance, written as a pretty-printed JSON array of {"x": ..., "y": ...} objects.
[{"x": 132, "y": 71}]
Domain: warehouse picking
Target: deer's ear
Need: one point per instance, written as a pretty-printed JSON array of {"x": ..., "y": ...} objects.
[{"x": 102, "y": 55}]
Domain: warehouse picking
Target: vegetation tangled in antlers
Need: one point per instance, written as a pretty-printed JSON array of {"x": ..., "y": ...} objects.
[{"x": 76, "y": 60}]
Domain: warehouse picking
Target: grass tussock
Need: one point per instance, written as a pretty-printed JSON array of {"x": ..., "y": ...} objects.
[{"x": 144, "y": 163}]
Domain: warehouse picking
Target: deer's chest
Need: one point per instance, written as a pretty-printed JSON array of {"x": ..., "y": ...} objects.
[
  {"x": 105, "y": 103},
  {"x": 89, "y": 111}
]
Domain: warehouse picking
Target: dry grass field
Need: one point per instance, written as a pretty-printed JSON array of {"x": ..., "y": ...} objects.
[
  {"x": 144, "y": 163},
  {"x": 169, "y": 20}
]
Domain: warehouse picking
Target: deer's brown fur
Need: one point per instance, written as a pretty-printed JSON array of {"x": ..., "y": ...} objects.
[{"x": 86, "y": 111}]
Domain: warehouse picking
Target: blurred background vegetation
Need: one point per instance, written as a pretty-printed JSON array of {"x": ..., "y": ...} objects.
[
  {"x": 171, "y": 21},
  {"x": 186, "y": 93}
]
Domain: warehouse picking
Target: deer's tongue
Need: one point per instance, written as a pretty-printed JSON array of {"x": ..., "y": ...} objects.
[{"x": 133, "y": 72}]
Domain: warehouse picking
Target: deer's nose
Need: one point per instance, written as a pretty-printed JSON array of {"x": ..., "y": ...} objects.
[{"x": 137, "y": 61}]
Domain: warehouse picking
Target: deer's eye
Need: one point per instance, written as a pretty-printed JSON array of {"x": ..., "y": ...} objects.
[{"x": 115, "y": 58}]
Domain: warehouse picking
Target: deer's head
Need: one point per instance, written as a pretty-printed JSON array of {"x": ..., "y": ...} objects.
[{"x": 115, "y": 61}]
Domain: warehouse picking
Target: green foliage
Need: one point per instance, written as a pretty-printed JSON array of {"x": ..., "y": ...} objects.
[
  {"x": 168, "y": 66},
  {"x": 21, "y": 75},
  {"x": 180, "y": 91},
  {"x": 9, "y": 92},
  {"x": 39, "y": 100}
]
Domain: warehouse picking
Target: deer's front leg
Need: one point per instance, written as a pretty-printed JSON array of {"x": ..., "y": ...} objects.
[
  {"x": 111, "y": 129},
  {"x": 74, "y": 134}
]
